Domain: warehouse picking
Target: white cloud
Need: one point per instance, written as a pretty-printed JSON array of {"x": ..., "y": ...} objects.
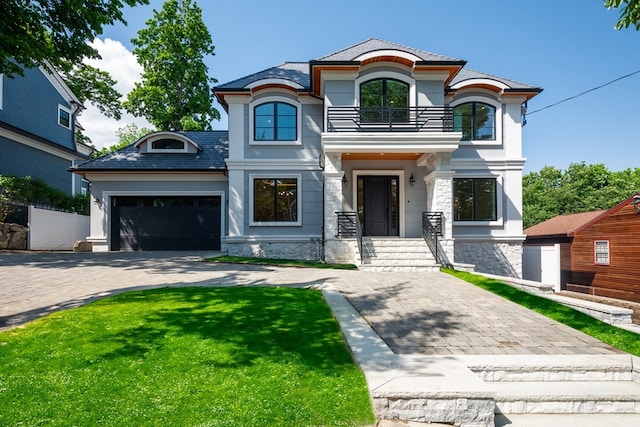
[{"x": 124, "y": 68}]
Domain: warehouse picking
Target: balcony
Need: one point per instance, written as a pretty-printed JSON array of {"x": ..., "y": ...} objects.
[
  {"x": 385, "y": 119},
  {"x": 407, "y": 132}
]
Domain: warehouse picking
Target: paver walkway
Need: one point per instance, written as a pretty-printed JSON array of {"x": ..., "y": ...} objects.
[{"x": 427, "y": 313}]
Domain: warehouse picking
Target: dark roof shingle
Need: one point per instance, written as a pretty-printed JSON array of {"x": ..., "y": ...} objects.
[{"x": 214, "y": 144}]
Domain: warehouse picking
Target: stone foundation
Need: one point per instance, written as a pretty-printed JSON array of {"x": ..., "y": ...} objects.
[
  {"x": 342, "y": 251},
  {"x": 494, "y": 257},
  {"x": 307, "y": 250},
  {"x": 13, "y": 236}
]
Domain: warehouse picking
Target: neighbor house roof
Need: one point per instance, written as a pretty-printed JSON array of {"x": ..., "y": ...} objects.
[
  {"x": 214, "y": 149},
  {"x": 562, "y": 225}
]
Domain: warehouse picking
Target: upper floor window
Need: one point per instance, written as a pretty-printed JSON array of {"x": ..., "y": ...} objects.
[
  {"x": 601, "y": 251},
  {"x": 475, "y": 120},
  {"x": 167, "y": 144},
  {"x": 64, "y": 117},
  {"x": 384, "y": 101},
  {"x": 275, "y": 121},
  {"x": 474, "y": 199}
]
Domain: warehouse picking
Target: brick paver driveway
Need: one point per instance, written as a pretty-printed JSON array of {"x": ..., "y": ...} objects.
[{"x": 428, "y": 313}]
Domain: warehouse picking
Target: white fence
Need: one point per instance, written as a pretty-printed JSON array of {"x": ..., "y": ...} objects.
[
  {"x": 52, "y": 230},
  {"x": 542, "y": 264}
]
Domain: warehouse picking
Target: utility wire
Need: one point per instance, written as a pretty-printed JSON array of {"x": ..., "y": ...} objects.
[{"x": 585, "y": 92}]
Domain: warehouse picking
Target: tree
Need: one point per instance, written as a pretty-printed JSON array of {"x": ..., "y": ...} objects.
[
  {"x": 580, "y": 188},
  {"x": 93, "y": 85},
  {"x": 58, "y": 31},
  {"x": 127, "y": 135},
  {"x": 174, "y": 93},
  {"x": 630, "y": 13}
]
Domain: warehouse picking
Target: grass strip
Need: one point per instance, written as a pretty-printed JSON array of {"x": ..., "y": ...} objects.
[
  {"x": 622, "y": 339},
  {"x": 280, "y": 262},
  {"x": 230, "y": 356}
]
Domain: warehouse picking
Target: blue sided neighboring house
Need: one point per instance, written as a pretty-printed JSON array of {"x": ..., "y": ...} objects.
[
  {"x": 352, "y": 157},
  {"x": 38, "y": 119}
]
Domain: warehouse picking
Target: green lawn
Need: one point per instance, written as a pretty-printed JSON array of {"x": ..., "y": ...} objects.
[
  {"x": 624, "y": 340},
  {"x": 280, "y": 262},
  {"x": 231, "y": 356}
]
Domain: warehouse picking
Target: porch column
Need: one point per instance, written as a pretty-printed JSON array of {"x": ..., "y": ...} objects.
[
  {"x": 439, "y": 181},
  {"x": 332, "y": 193}
]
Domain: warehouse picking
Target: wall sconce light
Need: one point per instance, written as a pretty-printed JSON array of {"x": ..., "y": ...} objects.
[
  {"x": 344, "y": 179},
  {"x": 412, "y": 180}
]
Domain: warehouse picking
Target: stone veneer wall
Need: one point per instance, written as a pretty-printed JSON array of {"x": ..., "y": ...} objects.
[
  {"x": 310, "y": 251},
  {"x": 341, "y": 251},
  {"x": 499, "y": 258},
  {"x": 13, "y": 236}
]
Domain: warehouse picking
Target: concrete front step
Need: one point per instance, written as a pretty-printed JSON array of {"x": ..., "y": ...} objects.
[
  {"x": 493, "y": 368},
  {"x": 567, "y": 420},
  {"x": 396, "y": 254},
  {"x": 567, "y": 397}
]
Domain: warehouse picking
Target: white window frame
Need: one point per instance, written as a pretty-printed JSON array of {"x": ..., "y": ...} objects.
[
  {"x": 68, "y": 111},
  {"x": 269, "y": 99},
  {"x": 499, "y": 197},
  {"x": 150, "y": 148},
  {"x": 596, "y": 252},
  {"x": 253, "y": 222},
  {"x": 497, "y": 119},
  {"x": 392, "y": 75}
]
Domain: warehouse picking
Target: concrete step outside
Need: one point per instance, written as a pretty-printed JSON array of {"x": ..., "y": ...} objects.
[
  {"x": 567, "y": 397},
  {"x": 567, "y": 420}
]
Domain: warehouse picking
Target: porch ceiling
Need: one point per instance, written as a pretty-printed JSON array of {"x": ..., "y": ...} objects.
[
  {"x": 381, "y": 156},
  {"x": 400, "y": 143}
]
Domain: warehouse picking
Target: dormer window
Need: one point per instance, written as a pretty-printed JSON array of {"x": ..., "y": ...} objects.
[{"x": 167, "y": 144}]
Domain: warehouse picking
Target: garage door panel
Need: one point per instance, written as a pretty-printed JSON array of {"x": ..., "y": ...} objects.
[{"x": 166, "y": 223}]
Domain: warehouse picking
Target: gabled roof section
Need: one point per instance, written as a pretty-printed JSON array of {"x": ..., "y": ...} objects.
[
  {"x": 290, "y": 75},
  {"x": 214, "y": 149},
  {"x": 58, "y": 82},
  {"x": 562, "y": 225},
  {"x": 572, "y": 224},
  {"x": 296, "y": 72},
  {"x": 352, "y": 53},
  {"x": 468, "y": 78}
]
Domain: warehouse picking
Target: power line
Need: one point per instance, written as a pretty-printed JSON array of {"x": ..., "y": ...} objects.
[{"x": 583, "y": 93}]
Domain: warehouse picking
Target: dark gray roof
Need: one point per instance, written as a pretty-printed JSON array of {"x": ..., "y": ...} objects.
[
  {"x": 214, "y": 149},
  {"x": 297, "y": 72},
  {"x": 373, "y": 44},
  {"x": 467, "y": 74}
]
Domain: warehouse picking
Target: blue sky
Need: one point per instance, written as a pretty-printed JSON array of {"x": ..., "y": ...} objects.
[{"x": 565, "y": 47}]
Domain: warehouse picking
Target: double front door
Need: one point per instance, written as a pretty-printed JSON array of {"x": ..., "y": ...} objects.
[{"x": 379, "y": 204}]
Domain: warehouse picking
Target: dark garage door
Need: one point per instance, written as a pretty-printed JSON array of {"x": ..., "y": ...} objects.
[{"x": 165, "y": 223}]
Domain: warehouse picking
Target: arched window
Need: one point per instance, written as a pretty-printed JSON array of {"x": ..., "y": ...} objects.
[
  {"x": 167, "y": 144},
  {"x": 275, "y": 121},
  {"x": 476, "y": 121},
  {"x": 384, "y": 101}
]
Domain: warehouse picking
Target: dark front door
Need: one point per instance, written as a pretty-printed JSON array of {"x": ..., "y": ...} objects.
[{"x": 378, "y": 205}]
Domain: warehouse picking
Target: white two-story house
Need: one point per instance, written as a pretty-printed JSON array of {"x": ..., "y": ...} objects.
[{"x": 373, "y": 147}]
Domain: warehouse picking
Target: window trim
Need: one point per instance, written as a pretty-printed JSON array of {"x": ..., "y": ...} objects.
[
  {"x": 497, "y": 119},
  {"x": 253, "y": 222},
  {"x": 499, "y": 221},
  {"x": 154, "y": 138},
  {"x": 62, "y": 108},
  {"x": 595, "y": 252},
  {"x": 274, "y": 99}
]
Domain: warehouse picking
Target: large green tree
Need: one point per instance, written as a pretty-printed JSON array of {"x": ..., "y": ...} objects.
[
  {"x": 174, "y": 93},
  {"x": 579, "y": 188},
  {"x": 32, "y": 31},
  {"x": 629, "y": 14}
]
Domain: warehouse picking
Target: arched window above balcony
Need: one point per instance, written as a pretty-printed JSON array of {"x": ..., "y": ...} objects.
[
  {"x": 476, "y": 121},
  {"x": 384, "y": 100}
]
